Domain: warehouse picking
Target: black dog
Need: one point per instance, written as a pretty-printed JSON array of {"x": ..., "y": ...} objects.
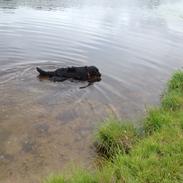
[{"x": 90, "y": 74}]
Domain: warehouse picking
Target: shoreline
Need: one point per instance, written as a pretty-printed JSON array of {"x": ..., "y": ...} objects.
[{"x": 152, "y": 153}]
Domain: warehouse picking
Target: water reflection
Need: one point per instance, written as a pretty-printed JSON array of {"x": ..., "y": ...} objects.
[
  {"x": 55, "y": 4},
  {"x": 43, "y": 4},
  {"x": 43, "y": 125}
]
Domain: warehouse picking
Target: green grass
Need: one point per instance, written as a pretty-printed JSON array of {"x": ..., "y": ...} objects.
[
  {"x": 151, "y": 154},
  {"x": 78, "y": 176},
  {"x": 176, "y": 82},
  {"x": 114, "y": 137},
  {"x": 173, "y": 100},
  {"x": 55, "y": 179},
  {"x": 156, "y": 119}
]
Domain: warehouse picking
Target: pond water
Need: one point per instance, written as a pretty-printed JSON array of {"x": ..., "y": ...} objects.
[{"x": 44, "y": 126}]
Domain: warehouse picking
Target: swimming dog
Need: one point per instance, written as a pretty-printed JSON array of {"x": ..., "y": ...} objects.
[{"x": 86, "y": 73}]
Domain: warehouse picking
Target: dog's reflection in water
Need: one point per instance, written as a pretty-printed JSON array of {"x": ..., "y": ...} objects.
[
  {"x": 42, "y": 78},
  {"x": 90, "y": 74}
]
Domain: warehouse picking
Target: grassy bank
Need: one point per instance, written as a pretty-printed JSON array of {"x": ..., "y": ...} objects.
[{"x": 150, "y": 154}]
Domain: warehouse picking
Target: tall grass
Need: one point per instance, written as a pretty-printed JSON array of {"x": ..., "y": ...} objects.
[
  {"x": 115, "y": 137},
  {"x": 153, "y": 154}
]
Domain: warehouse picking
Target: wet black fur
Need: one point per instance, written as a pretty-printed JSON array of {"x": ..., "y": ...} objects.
[{"x": 90, "y": 74}]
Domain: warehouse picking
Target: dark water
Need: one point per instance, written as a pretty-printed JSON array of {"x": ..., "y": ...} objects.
[{"x": 44, "y": 126}]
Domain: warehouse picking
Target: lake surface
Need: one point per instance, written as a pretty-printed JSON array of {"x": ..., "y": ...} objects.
[{"x": 44, "y": 126}]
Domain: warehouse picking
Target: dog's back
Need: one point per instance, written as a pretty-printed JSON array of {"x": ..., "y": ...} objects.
[{"x": 78, "y": 73}]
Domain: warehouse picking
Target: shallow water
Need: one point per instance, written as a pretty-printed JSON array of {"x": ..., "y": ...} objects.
[{"x": 44, "y": 126}]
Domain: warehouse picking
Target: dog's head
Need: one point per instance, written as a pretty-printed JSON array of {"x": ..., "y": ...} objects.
[{"x": 94, "y": 73}]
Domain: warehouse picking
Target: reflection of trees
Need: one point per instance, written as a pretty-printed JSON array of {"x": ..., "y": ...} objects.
[
  {"x": 38, "y": 4},
  {"x": 53, "y": 4},
  {"x": 151, "y": 3}
]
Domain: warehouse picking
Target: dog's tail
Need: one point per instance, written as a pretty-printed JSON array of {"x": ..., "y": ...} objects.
[{"x": 45, "y": 73}]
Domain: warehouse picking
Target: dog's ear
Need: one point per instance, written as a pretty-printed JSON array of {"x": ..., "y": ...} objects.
[{"x": 94, "y": 71}]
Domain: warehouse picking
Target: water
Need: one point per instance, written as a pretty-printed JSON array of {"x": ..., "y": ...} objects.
[{"x": 44, "y": 126}]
